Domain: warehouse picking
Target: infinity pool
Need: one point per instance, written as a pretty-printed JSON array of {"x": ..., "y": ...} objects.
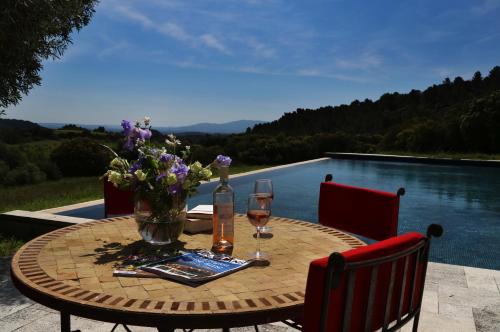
[{"x": 465, "y": 200}]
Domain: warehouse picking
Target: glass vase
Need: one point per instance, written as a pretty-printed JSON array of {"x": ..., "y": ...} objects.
[{"x": 160, "y": 228}]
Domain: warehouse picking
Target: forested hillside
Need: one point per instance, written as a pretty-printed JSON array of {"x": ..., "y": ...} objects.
[{"x": 459, "y": 115}]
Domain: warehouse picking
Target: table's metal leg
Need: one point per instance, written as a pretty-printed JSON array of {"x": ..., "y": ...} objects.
[
  {"x": 65, "y": 322},
  {"x": 165, "y": 329}
]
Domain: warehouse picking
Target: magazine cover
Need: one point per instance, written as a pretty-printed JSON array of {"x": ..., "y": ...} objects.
[
  {"x": 130, "y": 266},
  {"x": 195, "y": 268}
]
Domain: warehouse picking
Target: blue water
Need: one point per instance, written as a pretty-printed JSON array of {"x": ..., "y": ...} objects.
[{"x": 465, "y": 200}]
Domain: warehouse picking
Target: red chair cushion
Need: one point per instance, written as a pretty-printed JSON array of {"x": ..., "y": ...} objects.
[
  {"x": 366, "y": 212},
  {"x": 117, "y": 201},
  {"x": 316, "y": 282}
]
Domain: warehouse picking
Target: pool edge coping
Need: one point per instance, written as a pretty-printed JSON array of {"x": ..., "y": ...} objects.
[{"x": 413, "y": 159}]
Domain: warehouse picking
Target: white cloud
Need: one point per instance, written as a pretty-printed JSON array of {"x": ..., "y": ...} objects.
[
  {"x": 325, "y": 74},
  {"x": 211, "y": 41},
  {"x": 260, "y": 49},
  {"x": 134, "y": 15},
  {"x": 174, "y": 31},
  {"x": 367, "y": 60},
  {"x": 170, "y": 29},
  {"x": 114, "y": 48}
]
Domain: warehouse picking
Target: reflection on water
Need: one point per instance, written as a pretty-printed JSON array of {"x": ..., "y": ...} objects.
[{"x": 464, "y": 199}]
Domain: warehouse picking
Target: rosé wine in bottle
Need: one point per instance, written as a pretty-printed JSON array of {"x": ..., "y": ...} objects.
[{"x": 223, "y": 218}]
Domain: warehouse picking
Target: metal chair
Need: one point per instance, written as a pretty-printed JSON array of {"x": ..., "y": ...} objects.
[
  {"x": 368, "y": 288},
  {"x": 366, "y": 212}
]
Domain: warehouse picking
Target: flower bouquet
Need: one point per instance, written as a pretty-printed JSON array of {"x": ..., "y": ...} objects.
[{"x": 161, "y": 179}]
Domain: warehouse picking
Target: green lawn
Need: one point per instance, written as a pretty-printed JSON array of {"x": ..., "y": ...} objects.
[
  {"x": 9, "y": 245},
  {"x": 50, "y": 194}
]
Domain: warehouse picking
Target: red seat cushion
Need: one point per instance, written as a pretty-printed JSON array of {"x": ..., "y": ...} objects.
[
  {"x": 316, "y": 282},
  {"x": 117, "y": 201},
  {"x": 366, "y": 212}
]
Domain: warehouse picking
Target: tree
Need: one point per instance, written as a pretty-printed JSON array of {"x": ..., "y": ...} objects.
[{"x": 32, "y": 31}]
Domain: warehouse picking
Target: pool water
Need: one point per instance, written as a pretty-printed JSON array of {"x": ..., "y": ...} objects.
[{"x": 465, "y": 200}]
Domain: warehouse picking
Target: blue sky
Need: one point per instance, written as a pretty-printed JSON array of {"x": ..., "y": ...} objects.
[{"x": 183, "y": 62}]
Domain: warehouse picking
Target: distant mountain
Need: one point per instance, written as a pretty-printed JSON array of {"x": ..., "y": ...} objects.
[{"x": 232, "y": 127}]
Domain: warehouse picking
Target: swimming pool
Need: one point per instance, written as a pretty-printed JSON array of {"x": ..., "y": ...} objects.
[{"x": 465, "y": 200}]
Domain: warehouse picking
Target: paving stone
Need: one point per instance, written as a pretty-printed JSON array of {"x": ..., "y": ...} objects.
[
  {"x": 463, "y": 296},
  {"x": 486, "y": 282},
  {"x": 11, "y": 300},
  {"x": 487, "y": 319},
  {"x": 455, "y": 310},
  {"x": 431, "y": 322},
  {"x": 446, "y": 274},
  {"x": 430, "y": 301},
  {"x": 24, "y": 317}
]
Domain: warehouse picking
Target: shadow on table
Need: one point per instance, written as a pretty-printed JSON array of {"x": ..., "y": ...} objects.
[{"x": 134, "y": 253}]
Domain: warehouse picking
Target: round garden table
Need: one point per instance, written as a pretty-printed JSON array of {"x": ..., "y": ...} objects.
[{"x": 71, "y": 270}]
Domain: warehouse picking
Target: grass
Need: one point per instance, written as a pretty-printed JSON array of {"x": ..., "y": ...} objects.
[
  {"x": 50, "y": 194},
  {"x": 9, "y": 245},
  {"x": 66, "y": 191}
]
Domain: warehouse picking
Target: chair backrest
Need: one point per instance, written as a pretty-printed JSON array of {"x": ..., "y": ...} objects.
[
  {"x": 370, "y": 287},
  {"x": 366, "y": 212},
  {"x": 117, "y": 201}
]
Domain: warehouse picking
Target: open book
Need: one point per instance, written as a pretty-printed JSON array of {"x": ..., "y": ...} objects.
[
  {"x": 195, "y": 268},
  {"x": 201, "y": 212}
]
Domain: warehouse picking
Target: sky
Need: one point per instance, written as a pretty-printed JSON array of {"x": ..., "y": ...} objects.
[{"x": 183, "y": 62}]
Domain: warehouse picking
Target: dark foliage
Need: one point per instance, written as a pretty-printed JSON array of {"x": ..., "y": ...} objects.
[
  {"x": 19, "y": 131},
  {"x": 458, "y": 116},
  {"x": 32, "y": 31},
  {"x": 81, "y": 157},
  {"x": 16, "y": 168}
]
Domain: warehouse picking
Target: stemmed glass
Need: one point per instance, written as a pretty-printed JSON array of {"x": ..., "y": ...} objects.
[
  {"x": 258, "y": 212},
  {"x": 264, "y": 187}
]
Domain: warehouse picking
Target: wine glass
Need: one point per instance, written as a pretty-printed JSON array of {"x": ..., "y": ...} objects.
[
  {"x": 258, "y": 212},
  {"x": 264, "y": 187}
]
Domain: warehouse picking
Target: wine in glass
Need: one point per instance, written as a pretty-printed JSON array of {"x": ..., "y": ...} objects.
[{"x": 258, "y": 213}]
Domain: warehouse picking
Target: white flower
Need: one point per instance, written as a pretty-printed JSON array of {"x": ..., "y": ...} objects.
[
  {"x": 141, "y": 176},
  {"x": 196, "y": 167},
  {"x": 147, "y": 120},
  {"x": 172, "y": 140},
  {"x": 115, "y": 178},
  {"x": 116, "y": 163},
  {"x": 171, "y": 179},
  {"x": 206, "y": 173}
]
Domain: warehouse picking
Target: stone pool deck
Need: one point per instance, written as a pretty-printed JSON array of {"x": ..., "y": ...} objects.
[{"x": 456, "y": 298}]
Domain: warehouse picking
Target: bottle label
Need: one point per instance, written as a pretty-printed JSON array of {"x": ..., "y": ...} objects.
[{"x": 225, "y": 214}]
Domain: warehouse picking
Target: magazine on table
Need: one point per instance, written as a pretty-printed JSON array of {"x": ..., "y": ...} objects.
[
  {"x": 130, "y": 266},
  {"x": 196, "y": 267}
]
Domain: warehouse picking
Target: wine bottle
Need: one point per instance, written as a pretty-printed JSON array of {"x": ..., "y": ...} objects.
[{"x": 223, "y": 217}]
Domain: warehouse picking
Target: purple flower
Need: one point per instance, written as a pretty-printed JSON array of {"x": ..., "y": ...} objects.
[
  {"x": 129, "y": 143},
  {"x": 127, "y": 127},
  {"x": 167, "y": 157},
  {"x": 223, "y": 160},
  {"x": 180, "y": 170},
  {"x": 143, "y": 133},
  {"x": 135, "y": 166},
  {"x": 160, "y": 176}
]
